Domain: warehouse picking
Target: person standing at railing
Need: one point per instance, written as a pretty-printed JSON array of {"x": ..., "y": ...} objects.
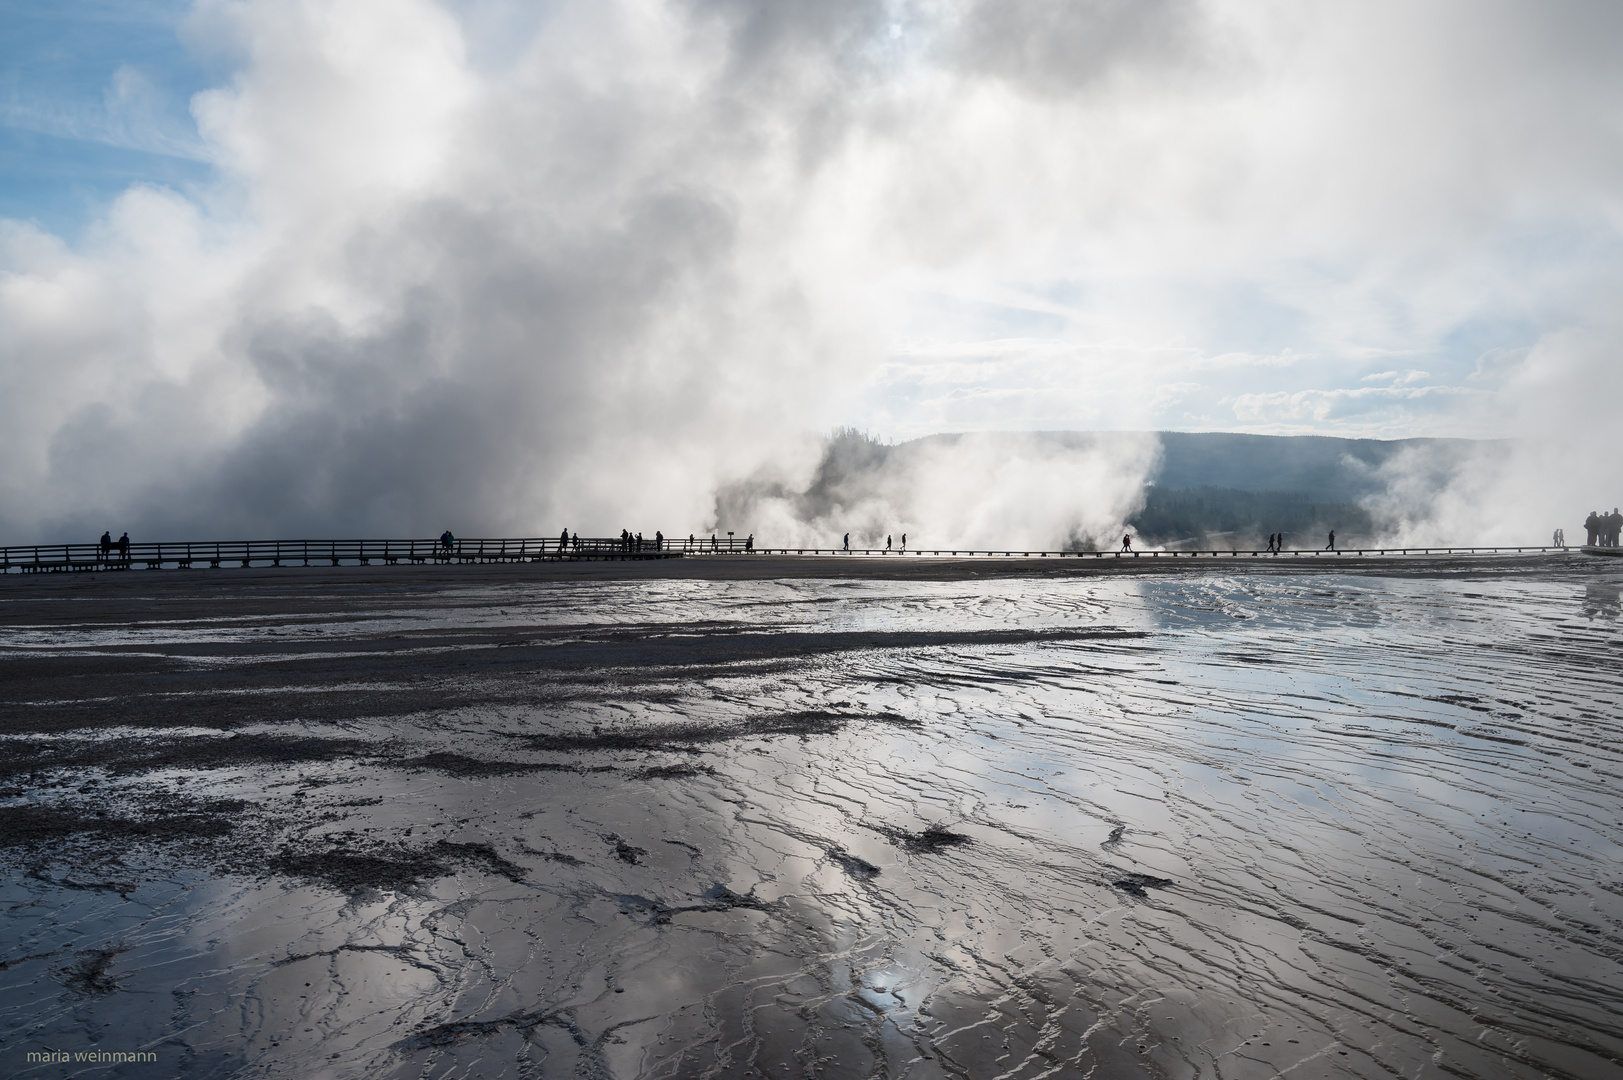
[
  {"x": 563, "y": 540},
  {"x": 659, "y": 540},
  {"x": 106, "y": 544},
  {"x": 124, "y": 547}
]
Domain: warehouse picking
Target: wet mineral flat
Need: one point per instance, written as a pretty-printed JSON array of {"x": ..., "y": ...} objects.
[{"x": 524, "y": 822}]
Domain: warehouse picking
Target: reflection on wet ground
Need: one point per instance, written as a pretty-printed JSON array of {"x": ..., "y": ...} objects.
[{"x": 1202, "y": 825}]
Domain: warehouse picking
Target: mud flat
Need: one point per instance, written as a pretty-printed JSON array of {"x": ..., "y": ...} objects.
[{"x": 867, "y": 818}]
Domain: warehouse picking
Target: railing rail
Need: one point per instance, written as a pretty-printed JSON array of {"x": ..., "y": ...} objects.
[{"x": 220, "y": 553}]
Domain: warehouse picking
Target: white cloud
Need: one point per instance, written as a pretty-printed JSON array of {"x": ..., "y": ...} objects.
[{"x": 596, "y": 260}]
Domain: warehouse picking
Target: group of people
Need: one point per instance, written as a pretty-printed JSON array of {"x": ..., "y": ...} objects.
[
  {"x": 630, "y": 541},
  {"x": 1603, "y": 528},
  {"x": 109, "y": 545}
]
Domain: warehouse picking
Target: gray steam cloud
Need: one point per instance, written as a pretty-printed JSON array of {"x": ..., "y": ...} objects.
[{"x": 598, "y": 264}]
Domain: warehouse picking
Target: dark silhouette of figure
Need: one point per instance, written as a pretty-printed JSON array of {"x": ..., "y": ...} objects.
[
  {"x": 563, "y": 540},
  {"x": 847, "y": 541},
  {"x": 1127, "y": 541},
  {"x": 106, "y": 544},
  {"x": 124, "y": 547},
  {"x": 712, "y": 541},
  {"x": 749, "y": 542},
  {"x": 887, "y": 543},
  {"x": 639, "y": 542},
  {"x": 904, "y": 541},
  {"x": 690, "y": 541},
  {"x": 659, "y": 540},
  {"x": 1331, "y": 546},
  {"x": 1592, "y": 526},
  {"x": 1271, "y": 543},
  {"x": 1614, "y": 526}
]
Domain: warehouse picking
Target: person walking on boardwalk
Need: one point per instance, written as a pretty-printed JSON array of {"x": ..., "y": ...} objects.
[
  {"x": 1127, "y": 541},
  {"x": 1331, "y": 546},
  {"x": 847, "y": 541},
  {"x": 563, "y": 541},
  {"x": 904, "y": 542},
  {"x": 749, "y": 542},
  {"x": 887, "y": 543}
]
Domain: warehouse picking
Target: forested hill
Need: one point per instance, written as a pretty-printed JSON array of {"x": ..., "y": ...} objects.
[{"x": 1323, "y": 469}]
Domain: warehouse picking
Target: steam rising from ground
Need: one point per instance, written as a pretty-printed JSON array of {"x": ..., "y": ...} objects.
[
  {"x": 1001, "y": 491},
  {"x": 609, "y": 264}
]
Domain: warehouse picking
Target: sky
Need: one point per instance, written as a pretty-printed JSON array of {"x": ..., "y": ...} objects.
[{"x": 315, "y": 267}]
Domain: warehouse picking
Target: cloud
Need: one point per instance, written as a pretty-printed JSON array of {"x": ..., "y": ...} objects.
[{"x": 507, "y": 268}]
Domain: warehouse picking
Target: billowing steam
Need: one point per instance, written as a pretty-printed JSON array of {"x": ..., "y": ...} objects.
[
  {"x": 1028, "y": 491},
  {"x": 619, "y": 263}
]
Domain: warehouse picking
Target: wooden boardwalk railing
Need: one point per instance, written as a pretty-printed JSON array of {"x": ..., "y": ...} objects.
[
  {"x": 153, "y": 556},
  {"x": 219, "y": 553}
]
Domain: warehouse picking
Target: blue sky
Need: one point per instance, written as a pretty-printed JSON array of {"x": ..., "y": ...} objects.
[{"x": 94, "y": 97}]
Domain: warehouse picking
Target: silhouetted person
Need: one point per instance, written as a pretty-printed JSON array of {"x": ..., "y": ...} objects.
[
  {"x": 1592, "y": 526},
  {"x": 847, "y": 541},
  {"x": 712, "y": 541},
  {"x": 106, "y": 544},
  {"x": 887, "y": 542},
  {"x": 749, "y": 542},
  {"x": 1127, "y": 541},
  {"x": 904, "y": 541},
  {"x": 1555, "y": 539},
  {"x": 124, "y": 547},
  {"x": 563, "y": 540},
  {"x": 659, "y": 540},
  {"x": 1331, "y": 546},
  {"x": 1614, "y": 526}
]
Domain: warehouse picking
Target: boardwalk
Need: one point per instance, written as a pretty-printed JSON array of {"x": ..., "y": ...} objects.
[{"x": 48, "y": 558}]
